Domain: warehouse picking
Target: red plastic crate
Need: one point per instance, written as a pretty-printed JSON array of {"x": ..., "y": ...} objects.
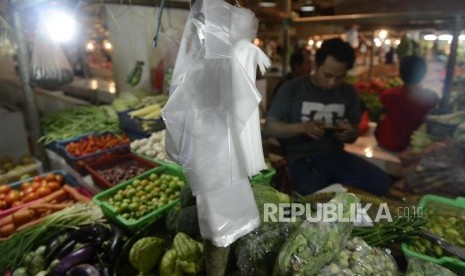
[{"x": 100, "y": 180}]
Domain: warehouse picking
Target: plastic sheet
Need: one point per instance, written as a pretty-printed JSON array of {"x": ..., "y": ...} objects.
[
  {"x": 212, "y": 124},
  {"x": 50, "y": 68}
]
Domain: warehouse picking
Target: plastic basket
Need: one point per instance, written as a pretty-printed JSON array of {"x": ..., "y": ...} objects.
[
  {"x": 434, "y": 201},
  {"x": 68, "y": 179},
  {"x": 439, "y": 129},
  {"x": 135, "y": 125},
  {"x": 78, "y": 163},
  {"x": 102, "y": 198},
  {"x": 100, "y": 180}
]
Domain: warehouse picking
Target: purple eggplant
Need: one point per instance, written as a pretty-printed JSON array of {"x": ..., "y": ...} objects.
[
  {"x": 83, "y": 270},
  {"x": 79, "y": 256}
]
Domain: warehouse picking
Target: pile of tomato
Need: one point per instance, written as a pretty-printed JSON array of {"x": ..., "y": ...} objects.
[
  {"x": 92, "y": 144},
  {"x": 39, "y": 187}
]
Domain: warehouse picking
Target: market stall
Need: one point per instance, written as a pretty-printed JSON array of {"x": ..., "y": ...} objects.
[{"x": 112, "y": 200}]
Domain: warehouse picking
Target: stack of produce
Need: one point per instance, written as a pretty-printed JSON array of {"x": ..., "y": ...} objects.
[
  {"x": 10, "y": 170},
  {"x": 93, "y": 144},
  {"x": 152, "y": 147},
  {"x": 22, "y": 251},
  {"x": 70, "y": 123}
]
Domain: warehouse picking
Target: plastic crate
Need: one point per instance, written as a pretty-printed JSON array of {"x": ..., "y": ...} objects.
[
  {"x": 135, "y": 125},
  {"x": 78, "y": 163},
  {"x": 68, "y": 179},
  {"x": 439, "y": 129},
  {"x": 102, "y": 198},
  {"x": 100, "y": 180},
  {"x": 434, "y": 201}
]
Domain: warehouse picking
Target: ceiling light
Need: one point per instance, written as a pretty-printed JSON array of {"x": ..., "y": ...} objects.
[
  {"x": 430, "y": 37},
  {"x": 267, "y": 4},
  {"x": 445, "y": 37},
  {"x": 307, "y": 8}
]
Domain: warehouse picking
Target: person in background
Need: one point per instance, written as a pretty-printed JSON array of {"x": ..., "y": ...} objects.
[
  {"x": 405, "y": 107},
  {"x": 316, "y": 114},
  {"x": 301, "y": 65}
]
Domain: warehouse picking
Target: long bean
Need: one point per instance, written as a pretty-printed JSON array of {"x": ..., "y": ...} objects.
[{"x": 399, "y": 230}]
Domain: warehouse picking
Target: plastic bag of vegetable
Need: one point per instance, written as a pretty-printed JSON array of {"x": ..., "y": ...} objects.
[
  {"x": 50, "y": 68},
  {"x": 256, "y": 250},
  {"x": 358, "y": 258},
  {"x": 419, "y": 267},
  {"x": 314, "y": 245},
  {"x": 264, "y": 193}
]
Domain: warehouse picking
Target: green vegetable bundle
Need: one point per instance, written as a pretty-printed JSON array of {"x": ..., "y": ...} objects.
[
  {"x": 314, "y": 245},
  {"x": 69, "y": 123},
  {"x": 256, "y": 250},
  {"x": 358, "y": 258}
]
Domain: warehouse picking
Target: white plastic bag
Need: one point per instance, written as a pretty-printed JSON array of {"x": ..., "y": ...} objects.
[
  {"x": 50, "y": 68},
  {"x": 212, "y": 117}
]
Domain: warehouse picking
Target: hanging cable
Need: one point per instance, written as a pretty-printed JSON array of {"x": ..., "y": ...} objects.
[{"x": 160, "y": 12}]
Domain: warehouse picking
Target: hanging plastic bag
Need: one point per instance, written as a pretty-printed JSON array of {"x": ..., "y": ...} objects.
[
  {"x": 170, "y": 41},
  {"x": 7, "y": 45},
  {"x": 213, "y": 100},
  {"x": 50, "y": 67}
]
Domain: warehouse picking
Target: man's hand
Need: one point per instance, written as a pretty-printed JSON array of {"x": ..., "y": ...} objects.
[
  {"x": 347, "y": 132},
  {"x": 313, "y": 129}
]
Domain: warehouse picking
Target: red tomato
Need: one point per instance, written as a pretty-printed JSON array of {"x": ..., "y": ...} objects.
[
  {"x": 43, "y": 191},
  {"x": 29, "y": 190},
  {"x": 3, "y": 205},
  {"x": 50, "y": 177},
  {"x": 16, "y": 203},
  {"x": 30, "y": 197},
  {"x": 54, "y": 185},
  {"x": 12, "y": 197},
  {"x": 59, "y": 178},
  {"x": 36, "y": 185},
  {"x": 4, "y": 189},
  {"x": 26, "y": 185},
  {"x": 37, "y": 178}
]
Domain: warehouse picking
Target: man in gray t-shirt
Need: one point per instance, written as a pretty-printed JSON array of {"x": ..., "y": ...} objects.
[{"x": 314, "y": 116}]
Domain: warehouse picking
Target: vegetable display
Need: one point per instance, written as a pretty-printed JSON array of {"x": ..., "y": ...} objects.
[
  {"x": 186, "y": 257},
  {"x": 53, "y": 225},
  {"x": 401, "y": 229},
  {"x": 256, "y": 250},
  {"x": 152, "y": 147},
  {"x": 122, "y": 171},
  {"x": 447, "y": 223},
  {"x": 38, "y": 187},
  {"x": 418, "y": 267},
  {"x": 93, "y": 144},
  {"x": 145, "y": 195},
  {"x": 358, "y": 258},
  {"x": 69, "y": 123},
  {"x": 314, "y": 245},
  {"x": 146, "y": 252}
]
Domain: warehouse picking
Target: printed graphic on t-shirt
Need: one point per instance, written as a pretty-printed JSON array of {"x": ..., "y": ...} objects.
[{"x": 329, "y": 113}]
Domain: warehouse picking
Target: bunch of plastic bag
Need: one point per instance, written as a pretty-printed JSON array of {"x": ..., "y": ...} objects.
[
  {"x": 7, "y": 45},
  {"x": 50, "y": 67},
  {"x": 211, "y": 117}
]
